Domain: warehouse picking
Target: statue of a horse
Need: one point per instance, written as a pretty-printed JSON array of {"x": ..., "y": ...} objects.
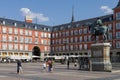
[{"x": 98, "y": 30}]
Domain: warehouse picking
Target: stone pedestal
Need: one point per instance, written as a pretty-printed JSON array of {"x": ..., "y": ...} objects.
[{"x": 100, "y": 57}]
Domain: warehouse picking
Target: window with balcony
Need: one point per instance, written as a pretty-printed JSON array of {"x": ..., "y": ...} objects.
[
  {"x": 21, "y": 32},
  {"x": 89, "y": 37},
  {"x": 53, "y": 48},
  {"x": 80, "y": 31},
  {"x": 4, "y": 38},
  {"x": 85, "y": 46},
  {"x": 53, "y": 35},
  {"x": 85, "y": 38},
  {"x": 71, "y": 47},
  {"x": 71, "y": 32},
  {"x": 49, "y": 35},
  {"x": 30, "y": 40},
  {"x": 59, "y": 34},
  {"x": 76, "y": 39},
  {"x": 15, "y": 38},
  {"x": 53, "y": 41},
  {"x": 16, "y": 46},
  {"x": 59, "y": 41},
  {"x": 36, "y": 34},
  {"x": 36, "y": 40},
  {"x": 76, "y": 47},
  {"x": 10, "y": 30},
  {"x": 21, "y": 47},
  {"x": 118, "y": 16},
  {"x": 30, "y": 33},
  {"x": 110, "y": 36},
  {"x": 117, "y": 35},
  {"x": 26, "y": 32},
  {"x": 26, "y": 40},
  {"x": 67, "y": 47},
  {"x": 45, "y": 48},
  {"x": 118, "y": 44},
  {"x": 110, "y": 26},
  {"x": 15, "y": 31},
  {"x": 80, "y": 38},
  {"x": 45, "y": 35},
  {"x": 80, "y": 47},
  {"x": 85, "y": 30},
  {"x": 26, "y": 47},
  {"x": 59, "y": 48},
  {"x": 63, "y": 48},
  {"x": 76, "y": 32},
  {"x": 21, "y": 39},
  {"x": 117, "y": 25},
  {"x": 4, "y": 30},
  {"x": 10, "y": 38},
  {"x": 4, "y": 46},
  {"x": 56, "y": 35},
  {"x": 10, "y": 46},
  {"x": 71, "y": 39},
  {"x": 67, "y": 33}
]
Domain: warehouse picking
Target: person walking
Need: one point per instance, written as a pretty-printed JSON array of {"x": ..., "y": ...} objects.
[
  {"x": 68, "y": 63},
  {"x": 19, "y": 67},
  {"x": 44, "y": 66}
]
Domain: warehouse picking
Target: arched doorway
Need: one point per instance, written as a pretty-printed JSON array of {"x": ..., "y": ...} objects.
[{"x": 36, "y": 51}]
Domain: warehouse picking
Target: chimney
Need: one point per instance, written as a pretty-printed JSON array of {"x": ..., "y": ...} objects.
[{"x": 28, "y": 19}]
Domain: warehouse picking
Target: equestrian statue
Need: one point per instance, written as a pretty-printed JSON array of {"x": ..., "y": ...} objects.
[{"x": 97, "y": 28}]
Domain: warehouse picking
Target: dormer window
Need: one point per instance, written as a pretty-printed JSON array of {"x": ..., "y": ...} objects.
[
  {"x": 77, "y": 25},
  {"x": 3, "y": 22},
  {"x": 15, "y": 24},
  {"x": 35, "y": 27},
  {"x": 44, "y": 29},
  {"x": 69, "y": 26}
]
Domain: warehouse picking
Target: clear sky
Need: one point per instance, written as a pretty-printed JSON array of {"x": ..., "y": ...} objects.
[{"x": 55, "y": 12}]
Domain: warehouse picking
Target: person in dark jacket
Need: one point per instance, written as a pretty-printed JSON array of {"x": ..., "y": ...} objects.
[{"x": 19, "y": 66}]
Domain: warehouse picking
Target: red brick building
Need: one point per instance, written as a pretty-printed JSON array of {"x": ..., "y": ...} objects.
[
  {"x": 74, "y": 39},
  {"x": 22, "y": 39}
]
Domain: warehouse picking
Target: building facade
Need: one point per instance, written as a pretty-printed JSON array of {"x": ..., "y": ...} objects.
[
  {"x": 23, "y": 39},
  {"x": 74, "y": 39}
]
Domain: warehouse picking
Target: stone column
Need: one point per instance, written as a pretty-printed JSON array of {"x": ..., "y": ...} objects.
[{"x": 100, "y": 57}]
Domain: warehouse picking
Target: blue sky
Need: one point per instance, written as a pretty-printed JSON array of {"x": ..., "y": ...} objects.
[{"x": 55, "y": 12}]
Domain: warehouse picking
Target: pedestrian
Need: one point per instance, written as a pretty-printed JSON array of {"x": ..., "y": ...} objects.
[
  {"x": 50, "y": 65},
  {"x": 75, "y": 64},
  {"x": 44, "y": 66},
  {"x": 19, "y": 67},
  {"x": 68, "y": 63}
]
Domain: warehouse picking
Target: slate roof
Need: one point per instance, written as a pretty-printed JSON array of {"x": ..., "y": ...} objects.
[
  {"x": 118, "y": 5},
  {"x": 22, "y": 24},
  {"x": 106, "y": 18}
]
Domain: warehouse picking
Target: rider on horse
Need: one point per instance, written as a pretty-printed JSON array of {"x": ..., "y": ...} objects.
[{"x": 97, "y": 24}]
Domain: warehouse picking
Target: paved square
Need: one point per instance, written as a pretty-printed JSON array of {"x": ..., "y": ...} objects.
[{"x": 32, "y": 71}]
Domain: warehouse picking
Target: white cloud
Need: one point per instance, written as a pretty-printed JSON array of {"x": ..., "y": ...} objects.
[
  {"x": 106, "y": 9},
  {"x": 40, "y": 17}
]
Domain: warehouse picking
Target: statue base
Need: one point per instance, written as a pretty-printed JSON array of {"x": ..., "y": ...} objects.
[{"x": 100, "y": 57}]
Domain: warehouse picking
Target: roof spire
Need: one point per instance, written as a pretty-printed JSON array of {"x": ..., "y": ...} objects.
[{"x": 72, "y": 19}]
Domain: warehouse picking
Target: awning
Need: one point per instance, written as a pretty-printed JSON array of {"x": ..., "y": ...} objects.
[{"x": 34, "y": 56}]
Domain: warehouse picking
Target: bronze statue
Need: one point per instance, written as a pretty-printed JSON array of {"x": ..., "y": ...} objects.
[{"x": 97, "y": 28}]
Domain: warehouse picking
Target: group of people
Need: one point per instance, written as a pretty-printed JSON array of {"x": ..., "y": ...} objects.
[{"x": 48, "y": 65}]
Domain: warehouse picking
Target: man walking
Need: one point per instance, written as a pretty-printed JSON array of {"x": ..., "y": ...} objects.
[{"x": 19, "y": 66}]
